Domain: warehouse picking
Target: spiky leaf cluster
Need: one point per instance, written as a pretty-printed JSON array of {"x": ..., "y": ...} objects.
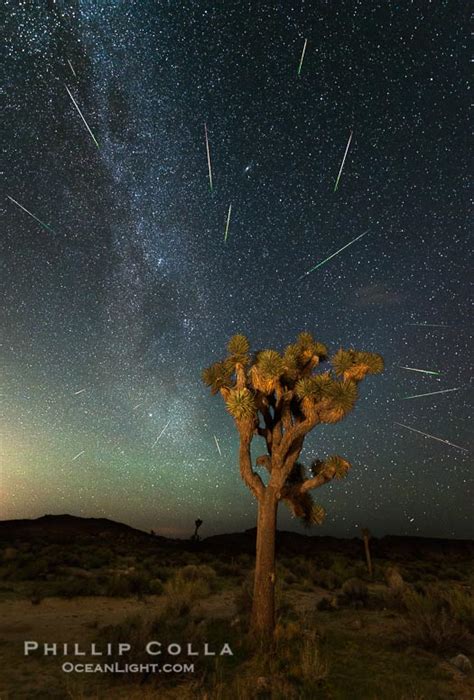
[
  {"x": 238, "y": 348},
  {"x": 217, "y": 376},
  {"x": 318, "y": 514},
  {"x": 267, "y": 370},
  {"x": 310, "y": 347},
  {"x": 241, "y": 404},
  {"x": 338, "y": 464},
  {"x": 303, "y": 507},
  {"x": 270, "y": 364},
  {"x": 341, "y": 398},
  {"x": 315, "y": 387},
  {"x": 355, "y": 365}
]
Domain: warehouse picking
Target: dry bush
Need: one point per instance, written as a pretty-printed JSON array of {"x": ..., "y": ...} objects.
[
  {"x": 312, "y": 667},
  {"x": 431, "y": 623},
  {"x": 193, "y": 572},
  {"x": 181, "y": 593},
  {"x": 326, "y": 579},
  {"x": 461, "y": 605},
  {"x": 354, "y": 591}
]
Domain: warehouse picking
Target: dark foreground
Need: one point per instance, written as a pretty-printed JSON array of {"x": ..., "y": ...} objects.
[{"x": 398, "y": 635}]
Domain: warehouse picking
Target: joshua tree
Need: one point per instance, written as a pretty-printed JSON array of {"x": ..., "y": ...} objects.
[
  {"x": 366, "y": 535},
  {"x": 197, "y": 523},
  {"x": 281, "y": 398}
]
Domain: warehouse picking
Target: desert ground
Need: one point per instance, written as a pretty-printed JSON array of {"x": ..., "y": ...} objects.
[{"x": 404, "y": 633}]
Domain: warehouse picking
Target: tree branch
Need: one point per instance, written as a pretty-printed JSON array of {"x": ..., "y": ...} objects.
[
  {"x": 250, "y": 478},
  {"x": 327, "y": 475},
  {"x": 296, "y": 432}
]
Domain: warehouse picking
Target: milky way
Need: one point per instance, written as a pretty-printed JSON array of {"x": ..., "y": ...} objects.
[{"x": 111, "y": 313}]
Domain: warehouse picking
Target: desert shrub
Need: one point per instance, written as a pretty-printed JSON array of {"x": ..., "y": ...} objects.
[
  {"x": 430, "y": 622},
  {"x": 228, "y": 568},
  {"x": 155, "y": 586},
  {"x": 181, "y": 593},
  {"x": 68, "y": 558},
  {"x": 354, "y": 591},
  {"x": 396, "y": 599},
  {"x": 343, "y": 569},
  {"x": 326, "y": 579},
  {"x": 244, "y": 597},
  {"x": 433, "y": 631},
  {"x": 450, "y": 574},
  {"x": 31, "y": 569},
  {"x": 245, "y": 561},
  {"x": 192, "y": 572},
  {"x": 75, "y": 587},
  {"x": 461, "y": 606},
  {"x": 138, "y": 583},
  {"x": 298, "y": 659},
  {"x": 288, "y": 577},
  {"x": 96, "y": 559},
  {"x": 327, "y": 604},
  {"x": 160, "y": 571},
  {"x": 303, "y": 568},
  {"x": 312, "y": 667}
]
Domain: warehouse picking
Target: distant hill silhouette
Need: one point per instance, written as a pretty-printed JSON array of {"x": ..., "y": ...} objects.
[{"x": 70, "y": 528}]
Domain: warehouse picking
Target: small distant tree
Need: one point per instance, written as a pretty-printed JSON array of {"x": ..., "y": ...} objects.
[
  {"x": 366, "y": 536},
  {"x": 281, "y": 398},
  {"x": 197, "y": 523}
]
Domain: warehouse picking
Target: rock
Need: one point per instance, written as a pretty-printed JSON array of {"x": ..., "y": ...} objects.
[
  {"x": 394, "y": 579},
  {"x": 462, "y": 663}
]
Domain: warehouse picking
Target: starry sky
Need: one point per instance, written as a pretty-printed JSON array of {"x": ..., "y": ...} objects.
[{"x": 116, "y": 304}]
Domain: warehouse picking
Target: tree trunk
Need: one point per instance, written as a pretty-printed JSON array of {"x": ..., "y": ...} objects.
[
  {"x": 367, "y": 554},
  {"x": 263, "y": 607}
]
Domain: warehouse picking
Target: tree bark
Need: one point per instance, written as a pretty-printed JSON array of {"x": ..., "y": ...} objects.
[{"x": 263, "y": 607}]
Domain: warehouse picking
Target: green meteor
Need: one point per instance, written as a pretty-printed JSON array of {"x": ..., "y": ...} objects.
[
  {"x": 48, "y": 228},
  {"x": 424, "y": 371},
  {"x": 302, "y": 57},
  {"x": 431, "y": 393},
  {"x": 332, "y": 256},
  {"x": 227, "y": 223}
]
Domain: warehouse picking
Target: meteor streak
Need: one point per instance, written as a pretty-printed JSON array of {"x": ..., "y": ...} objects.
[
  {"x": 82, "y": 116},
  {"x": 333, "y": 255},
  {"x": 137, "y": 405},
  {"x": 161, "y": 433},
  {"x": 79, "y": 392},
  {"x": 208, "y": 157},
  {"x": 227, "y": 223},
  {"x": 77, "y": 456},
  {"x": 424, "y": 371},
  {"x": 302, "y": 57},
  {"x": 48, "y": 228},
  {"x": 431, "y": 393},
  {"x": 429, "y": 325},
  {"x": 218, "y": 446},
  {"x": 343, "y": 161},
  {"x": 433, "y": 437},
  {"x": 71, "y": 67}
]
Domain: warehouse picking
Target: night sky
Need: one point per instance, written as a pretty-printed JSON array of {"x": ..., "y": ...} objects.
[{"x": 113, "y": 309}]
